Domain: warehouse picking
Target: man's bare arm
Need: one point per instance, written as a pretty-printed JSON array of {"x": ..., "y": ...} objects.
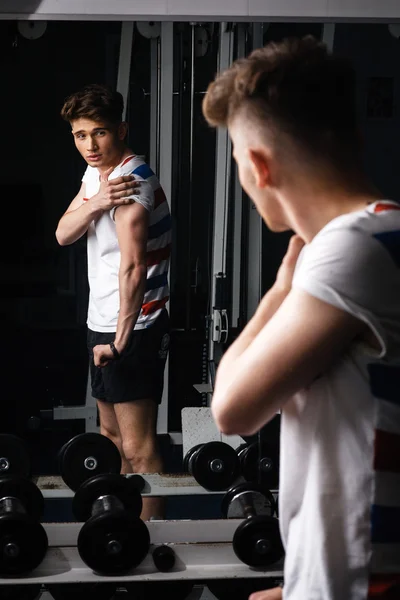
[
  {"x": 132, "y": 229},
  {"x": 77, "y": 218},
  {"x": 302, "y": 339}
]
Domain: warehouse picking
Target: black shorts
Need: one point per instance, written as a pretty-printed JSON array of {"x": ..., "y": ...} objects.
[{"x": 139, "y": 373}]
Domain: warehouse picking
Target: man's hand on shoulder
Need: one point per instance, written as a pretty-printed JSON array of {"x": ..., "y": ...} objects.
[
  {"x": 281, "y": 288},
  {"x": 284, "y": 277},
  {"x": 114, "y": 192}
]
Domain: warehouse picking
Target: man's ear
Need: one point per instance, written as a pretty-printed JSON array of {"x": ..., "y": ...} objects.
[
  {"x": 259, "y": 164},
  {"x": 122, "y": 130}
]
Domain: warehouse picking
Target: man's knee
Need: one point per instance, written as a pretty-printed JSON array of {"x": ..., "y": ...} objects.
[
  {"x": 140, "y": 453},
  {"x": 112, "y": 435}
]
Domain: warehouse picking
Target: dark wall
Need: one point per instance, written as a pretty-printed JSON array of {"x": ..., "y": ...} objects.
[
  {"x": 44, "y": 361},
  {"x": 375, "y": 55},
  {"x": 36, "y": 77}
]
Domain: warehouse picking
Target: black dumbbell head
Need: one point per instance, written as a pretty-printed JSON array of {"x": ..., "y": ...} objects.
[
  {"x": 261, "y": 498},
  {"x": 261, "y": 466},
  {"x": 24, "y": 490},
  {"x": 164, "y": 558},
  {"x": 113, "y": 544},
  {"x": 15, "y": 458},
  {"x": 86, "y": 455},
  {"x": 188, "y": 455},
  {"x": 240, "y": 449},
  {"x": 122, "y": 488},
  {"x": 139, "y": 481},
  {"x": 215, "y": 466},
  {"x": 257, "y": 541},
  {"x": 23, "y": 544}
]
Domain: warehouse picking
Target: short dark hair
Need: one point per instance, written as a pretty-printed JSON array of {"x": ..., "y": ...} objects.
[
  {"x": 97, "y": 102},
  {"x": 295, "y": 87}
]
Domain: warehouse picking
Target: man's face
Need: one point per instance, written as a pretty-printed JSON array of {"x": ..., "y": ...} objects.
[
  {"x": 98, "y": 142},
  {"x": 255, "y": 176}
]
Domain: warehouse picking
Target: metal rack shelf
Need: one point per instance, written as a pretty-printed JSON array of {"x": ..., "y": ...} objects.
[
  {"x": 156, "y": 484},
  {"x": 203, "y": 551}
]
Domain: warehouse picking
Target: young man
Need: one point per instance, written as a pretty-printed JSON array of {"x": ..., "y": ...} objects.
[
  {"x": 324, "y": 343},
  {"x": 123, "y": 210}
]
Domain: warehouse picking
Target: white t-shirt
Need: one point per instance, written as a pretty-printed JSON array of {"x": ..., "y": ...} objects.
[
  {"x": 340, "y": 439},
  {"x": 104, "y": 255}
]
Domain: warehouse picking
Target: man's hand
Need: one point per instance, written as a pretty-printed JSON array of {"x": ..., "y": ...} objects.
[
  {"x": 102, "y": 355},
  {"x": 285, "y": 273},
  {"x": 273, "y": 594},
  {"x": 276, "y": 295},
  {"x": 114, "y": 193}
]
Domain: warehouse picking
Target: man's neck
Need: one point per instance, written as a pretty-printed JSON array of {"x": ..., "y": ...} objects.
[
  {"x": 119, "y": 158},
  {"x": 312, "y": 206}
]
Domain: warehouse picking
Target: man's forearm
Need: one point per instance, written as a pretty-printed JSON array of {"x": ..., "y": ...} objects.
[
  {"x": 132, "y": 284},
  {"x": 74, "y": 224}
]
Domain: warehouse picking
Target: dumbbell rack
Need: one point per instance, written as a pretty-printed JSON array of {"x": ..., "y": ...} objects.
[
  {"x": 203, "y": 549},
  {"x": 156, "y": 484}
]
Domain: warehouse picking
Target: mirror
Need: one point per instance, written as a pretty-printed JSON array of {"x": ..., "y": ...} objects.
[{"x": 223, "y": 258}]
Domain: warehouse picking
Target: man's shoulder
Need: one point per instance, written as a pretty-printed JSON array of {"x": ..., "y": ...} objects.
[
  {"x": 365, "y": 242},
  {"x": 136, "y": 165},
  {"x": 376, "y": 218}
]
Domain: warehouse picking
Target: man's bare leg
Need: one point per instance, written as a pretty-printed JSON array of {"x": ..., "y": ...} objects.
[
  {"x": 137, "y": 423},
  {"x": 109, "y": 428}
]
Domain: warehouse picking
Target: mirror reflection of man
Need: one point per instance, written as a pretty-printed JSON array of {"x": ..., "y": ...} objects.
[
  {"x": 324, "y": 343},
  {"x": 124, "y": 212}
]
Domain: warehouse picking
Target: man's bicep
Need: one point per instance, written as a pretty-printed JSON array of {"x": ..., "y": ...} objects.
[
  {"x": 306, "y": 335},
  {"x": 77, "y": 201},
  {"x": 144, "y": 195},
  {"x": 132, "y": 223},
  {"x": 302, "y": 340}
]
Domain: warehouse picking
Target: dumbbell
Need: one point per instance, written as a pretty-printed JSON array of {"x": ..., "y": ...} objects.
[
  {"x": 259, "y": 463},
  {"x": 256, "y": 541},
  {"x": 164, "y": 558},
  {"x": 113, "y": 539},
  {"x": 15, "y": 460},
  {"x": 214, "y": 465},
  {"x": 87, "y": 455},
  {"x": 23, "y": 540}
]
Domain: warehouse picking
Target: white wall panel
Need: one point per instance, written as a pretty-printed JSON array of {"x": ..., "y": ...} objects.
[
  {"x": 288, "y": 8},
  {"x": 209, "y": 8},
  {"x": 364, "y": 9}
]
